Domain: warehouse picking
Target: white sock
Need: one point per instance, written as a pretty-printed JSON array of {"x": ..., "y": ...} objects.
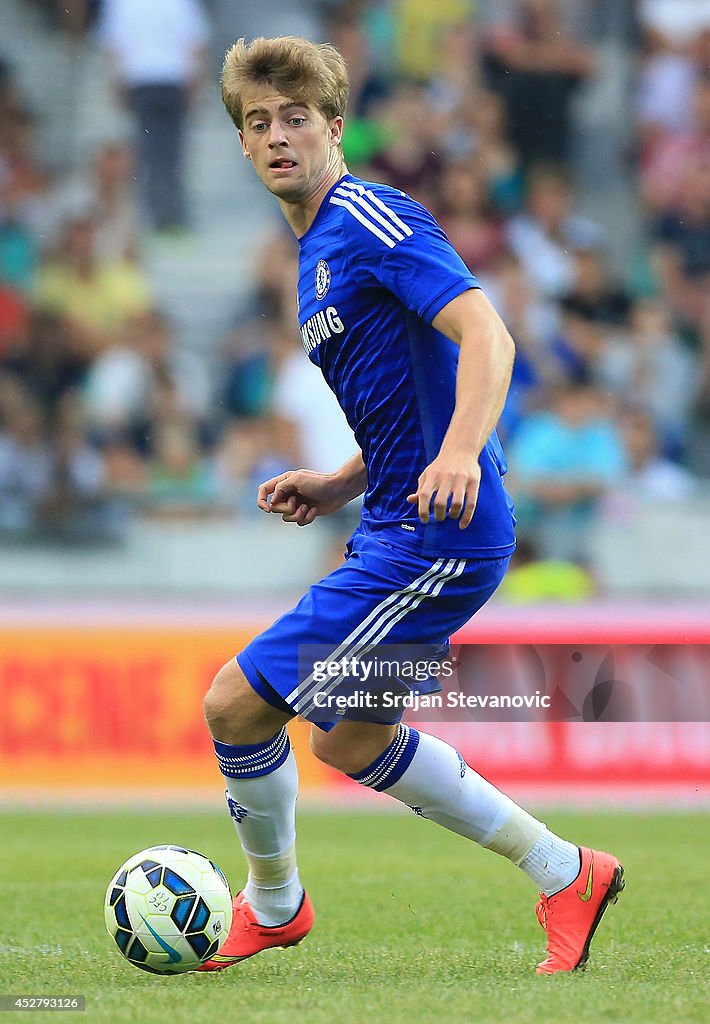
[
  {"x": 273, "y": 895},
  {"x": 262, "y": 787},
  {"x": 552, "y": 864},
  {"x": 432, "y": 778}
]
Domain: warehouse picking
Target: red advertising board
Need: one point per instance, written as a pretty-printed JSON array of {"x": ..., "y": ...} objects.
[{"x": 104, "y": 710}]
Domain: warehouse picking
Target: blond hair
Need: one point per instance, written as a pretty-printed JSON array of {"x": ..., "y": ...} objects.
[{"x": 293, "y": 67}]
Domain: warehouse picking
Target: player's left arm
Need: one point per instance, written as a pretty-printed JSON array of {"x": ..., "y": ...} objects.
[{"x": 485, "y": 364}]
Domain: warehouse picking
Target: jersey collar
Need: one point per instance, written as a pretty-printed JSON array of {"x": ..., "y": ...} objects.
[{"x": 322, "y": 209}]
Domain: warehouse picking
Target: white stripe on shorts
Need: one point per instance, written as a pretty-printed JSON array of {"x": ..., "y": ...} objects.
[
  {"x": 379, "y": 623},
  {"x": 376, "y": 613},
  {"x": 370, "y": 641}
]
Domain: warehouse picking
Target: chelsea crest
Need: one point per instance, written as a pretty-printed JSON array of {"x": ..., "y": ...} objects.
[{"x": 322, "y": 279}]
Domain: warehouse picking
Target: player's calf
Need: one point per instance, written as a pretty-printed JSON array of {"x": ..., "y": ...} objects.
[
  {"x": 255, "y": 757},
  {"x": 351, "y": 746},
  {"x": 434, "y": 780}
]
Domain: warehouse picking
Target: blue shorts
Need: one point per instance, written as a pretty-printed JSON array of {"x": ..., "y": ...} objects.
[{"x": 381, "y": 594}]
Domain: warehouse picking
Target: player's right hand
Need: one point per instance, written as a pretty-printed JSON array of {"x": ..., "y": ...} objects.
[{"x": 300, "y": 495}]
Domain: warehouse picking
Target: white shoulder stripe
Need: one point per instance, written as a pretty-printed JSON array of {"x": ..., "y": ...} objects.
[
  {"x": 359, "y": 215},
  {"x": 375, "y": 214},
  {"x": 375, "y": 200}
]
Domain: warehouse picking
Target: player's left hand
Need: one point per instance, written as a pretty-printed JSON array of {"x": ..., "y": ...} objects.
[{"x": 452, "y": 481}]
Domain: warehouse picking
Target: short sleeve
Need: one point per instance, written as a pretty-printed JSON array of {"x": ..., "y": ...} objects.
[{"x": 395, "y": 240}]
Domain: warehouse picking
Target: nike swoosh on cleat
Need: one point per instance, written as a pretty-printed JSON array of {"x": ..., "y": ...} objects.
[
  {"x": 175, "y": 957},
  {"x": 586, "y": 896}
]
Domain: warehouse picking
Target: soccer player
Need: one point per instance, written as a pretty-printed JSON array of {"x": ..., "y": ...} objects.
[{"x": 419, "y": 362}]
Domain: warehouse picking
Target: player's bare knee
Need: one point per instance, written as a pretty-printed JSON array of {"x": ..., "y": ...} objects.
[
  {"x": 235, "y": 713},
  {"x": 221, "y": 702}
]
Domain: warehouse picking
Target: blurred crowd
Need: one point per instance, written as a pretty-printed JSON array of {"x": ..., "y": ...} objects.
[{"x": 103, "y": 415}]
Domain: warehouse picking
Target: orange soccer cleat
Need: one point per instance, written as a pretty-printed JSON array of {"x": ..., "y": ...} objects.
[
  {"x": 571, "y": 916},
  {"x": 247, "y": 937}
]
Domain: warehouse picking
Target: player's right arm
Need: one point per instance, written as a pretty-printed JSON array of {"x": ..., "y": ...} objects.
[{"x": 300, "y": 496}]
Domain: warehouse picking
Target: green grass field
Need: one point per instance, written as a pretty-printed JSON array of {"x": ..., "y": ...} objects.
[{"x": 414, "y": 925}]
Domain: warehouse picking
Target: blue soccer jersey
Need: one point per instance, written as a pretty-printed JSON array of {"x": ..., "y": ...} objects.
[{"x": 374, "y": 270}]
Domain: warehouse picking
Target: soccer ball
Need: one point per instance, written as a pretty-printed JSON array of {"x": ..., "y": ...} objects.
[{"x": 169, "y": 909}]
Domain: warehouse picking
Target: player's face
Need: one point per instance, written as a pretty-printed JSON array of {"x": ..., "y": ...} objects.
[{"x": 293, "y": 147}]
